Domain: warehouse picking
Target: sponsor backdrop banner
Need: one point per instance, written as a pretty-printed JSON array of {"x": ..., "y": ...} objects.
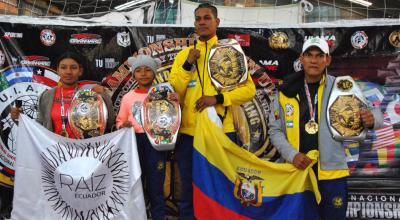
[
  {"x": 28, "y": 56},
  {"x": 97, "y": 178}
]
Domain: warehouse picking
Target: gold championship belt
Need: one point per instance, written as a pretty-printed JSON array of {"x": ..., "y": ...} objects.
[
  {"x": 227, "y": 64},
  {"x": 87, "y": 114},
  {"x": 345, "y": 103},
  {"x": 161, "y": 117}
]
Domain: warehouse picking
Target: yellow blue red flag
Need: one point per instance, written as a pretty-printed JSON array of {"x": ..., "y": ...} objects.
[{"x": 232, "y": 183}]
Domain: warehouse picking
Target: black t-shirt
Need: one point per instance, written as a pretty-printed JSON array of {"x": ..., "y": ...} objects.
[{"x": 308, "y": 141}]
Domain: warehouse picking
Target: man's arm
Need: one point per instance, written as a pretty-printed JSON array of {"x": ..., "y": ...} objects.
[
  {"x": 372, "y": 119},
  {"x": 237, "y": 96},
  {"x": 180, "y": 74},
  {"x": 277, "y": 135},
  {"x": 241, "y": 94},
  {"x": 378, "y": 117},
  {"x": 40, "y": 117}
]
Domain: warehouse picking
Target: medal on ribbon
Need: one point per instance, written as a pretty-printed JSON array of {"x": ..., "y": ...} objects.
[{"x": 311, "y": 126}]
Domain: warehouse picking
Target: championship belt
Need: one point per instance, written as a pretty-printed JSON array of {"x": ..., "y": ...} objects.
[
  {"x": 345, "y": 103},
  {"x": 161, "y": 117},
  {"x": 87, "y": 114},
  {"x": 227, "y": 65},
  {"x": 250, "y": 133}
]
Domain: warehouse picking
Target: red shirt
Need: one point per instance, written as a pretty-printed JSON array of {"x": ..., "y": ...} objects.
[{"x": 56, "y": 109}]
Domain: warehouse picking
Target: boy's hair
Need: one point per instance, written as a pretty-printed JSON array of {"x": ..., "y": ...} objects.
[
  {"x": 71, "y": 55},
  {"x": 213, "y": 9}
]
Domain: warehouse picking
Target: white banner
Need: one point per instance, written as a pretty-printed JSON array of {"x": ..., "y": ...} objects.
[{"x": 61, "y": 178}]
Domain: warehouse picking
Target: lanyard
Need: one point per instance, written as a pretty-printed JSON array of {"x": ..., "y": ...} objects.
[
  {"x": 311, "y": 108},
  {"x": 64, "y": 116},
  {"x": 204, "y": 67}
]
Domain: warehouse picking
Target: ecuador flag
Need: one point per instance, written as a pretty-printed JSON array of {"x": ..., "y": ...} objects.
[{"x": 232, "y": 183}]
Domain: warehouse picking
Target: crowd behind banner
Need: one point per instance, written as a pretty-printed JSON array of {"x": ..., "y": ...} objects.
[{"x": 367, "y": 53}]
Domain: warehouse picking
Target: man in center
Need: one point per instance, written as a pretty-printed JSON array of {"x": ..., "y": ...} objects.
[{"x": 190, "y": 79}]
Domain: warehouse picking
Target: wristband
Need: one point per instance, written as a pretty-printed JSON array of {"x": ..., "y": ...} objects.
[
  {"x": 220, "y": 98},
  {"x": 187, "y": 66}
]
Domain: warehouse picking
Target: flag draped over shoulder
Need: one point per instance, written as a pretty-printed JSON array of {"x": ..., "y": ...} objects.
[
  {"x": 232, "y": 183},
  {"x": 61, "y": 178}
]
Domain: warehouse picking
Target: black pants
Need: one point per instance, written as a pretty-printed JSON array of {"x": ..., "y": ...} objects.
[{"x": 6, "y": 197}]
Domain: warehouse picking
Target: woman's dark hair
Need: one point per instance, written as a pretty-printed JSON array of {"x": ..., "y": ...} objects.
[{"x": 72, "y": 55}]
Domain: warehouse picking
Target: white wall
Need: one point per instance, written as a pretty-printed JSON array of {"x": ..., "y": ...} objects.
[{"x": 238, "y": 16}]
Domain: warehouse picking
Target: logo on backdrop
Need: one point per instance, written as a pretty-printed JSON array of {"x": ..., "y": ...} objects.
[
  {"x": 35, "y": 60},
  {"x": 359, "y": 40},
  {"x": 85, "y": 38},
  {"x": 2, "y": 58},
  {"x": 270, "y": 65},
  {"x": 123, "y": 39},
  {"x": 27, "y": 93},
  {"x": 154, "y": 38},
  {"x": 23, "y": 84},
  {"x": 98, "y": 188},
  {"x": 107, "y": 63},
  {"x": 394, "y": 39},
  {"x": 160, "y": 37},
  {"x": 47, "y": 37},
  {"x": 243, "y": 39},
  {"x": 368, "y": 205},
  {"x": 330, "y": 39},
  {"x": 9, "y": 35},
  {"x": 278, "y": 40},
  {"x": 297, "y": 66}
]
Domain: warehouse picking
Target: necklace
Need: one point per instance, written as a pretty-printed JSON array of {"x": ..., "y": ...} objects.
[
  {"x": 64, "y": 116},
  {"x": 311, "y": 126}
]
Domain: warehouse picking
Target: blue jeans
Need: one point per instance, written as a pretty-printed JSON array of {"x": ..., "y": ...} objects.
[
  {"x": 184, "y": 157},
  {"x": 333, "y": 204},
  {"x": 152, "y": 163}
]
